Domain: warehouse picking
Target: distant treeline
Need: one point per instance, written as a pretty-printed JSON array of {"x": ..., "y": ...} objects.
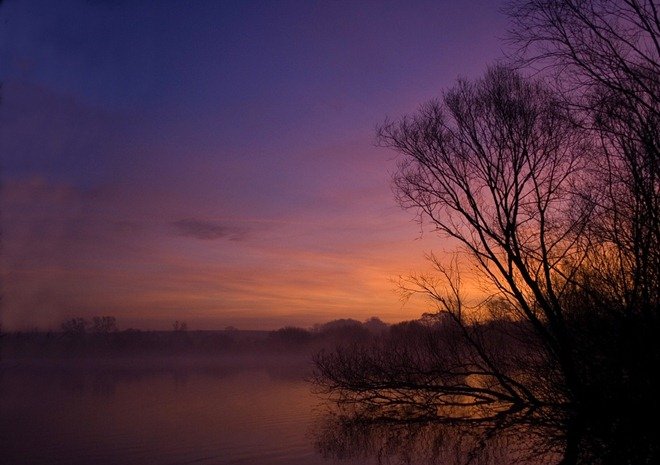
[{"x": 101, "y": 336}]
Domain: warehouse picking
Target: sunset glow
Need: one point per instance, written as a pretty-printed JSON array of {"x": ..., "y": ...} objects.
[{"x": 216, "y": 163}]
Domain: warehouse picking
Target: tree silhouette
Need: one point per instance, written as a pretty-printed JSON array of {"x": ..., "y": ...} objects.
[
  {"x": 104, "y": 324},
  {"x": 552, "y": 189},
  {"x": 75, "y": 327},
  {"x": 493, "y": 166},
  {"x": 179, "y": 326},
  {"x": 605, "y": 58}
]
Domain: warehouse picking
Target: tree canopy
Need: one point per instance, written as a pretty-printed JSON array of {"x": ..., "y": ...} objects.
[{"x": 545, "y": 171}]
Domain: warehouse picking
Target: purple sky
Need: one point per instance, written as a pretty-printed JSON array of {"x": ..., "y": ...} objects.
[{"x": 213, "y": 162}]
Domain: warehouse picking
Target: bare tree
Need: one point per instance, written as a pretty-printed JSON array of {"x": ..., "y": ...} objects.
[
  {"x": 495, "y": 166},
  {"x": 552, "y": 188},
  {"x": 501, "y": 166},
  {"x": 605, "y": 56}
]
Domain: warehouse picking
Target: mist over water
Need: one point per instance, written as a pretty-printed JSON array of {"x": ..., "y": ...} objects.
[
  {"x": 344, "y": 392},
  {"x": 226, "y": 410}
]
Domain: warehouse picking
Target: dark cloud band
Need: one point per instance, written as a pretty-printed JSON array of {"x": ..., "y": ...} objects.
[{"x": 206, "y": 230}]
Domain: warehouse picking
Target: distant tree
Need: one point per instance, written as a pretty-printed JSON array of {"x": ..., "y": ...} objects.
[
  {"x": 104, "y": 324},
  {"x": 434, "y": 319},
  {"x": 343, "y": 330},
  {"x": 340, "y": 323},
  {"x": 75, "y": 327},
  {"x": 291, "y": 336},
  {"x": 179, "y": 326},
  {"x": 375, "y": 325},
  {"x": 409, "y": 330}
]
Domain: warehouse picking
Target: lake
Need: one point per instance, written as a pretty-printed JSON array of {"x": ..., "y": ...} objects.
[{"x": 235, "y": 411}]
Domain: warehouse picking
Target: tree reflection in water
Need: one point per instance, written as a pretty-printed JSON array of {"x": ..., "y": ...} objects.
[
  {"x": 543, "y": 436},
  {"x": 420, "y": 394},
  {"x": 513, "y": 439}
]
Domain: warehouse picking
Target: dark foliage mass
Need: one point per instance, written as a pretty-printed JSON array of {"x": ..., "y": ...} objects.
[
  {"x": 550, "y": 182},
  {"x": 81, "y": 338}
]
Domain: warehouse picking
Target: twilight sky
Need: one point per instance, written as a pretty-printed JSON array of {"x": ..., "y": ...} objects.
[{"x": 214, "y": 162}]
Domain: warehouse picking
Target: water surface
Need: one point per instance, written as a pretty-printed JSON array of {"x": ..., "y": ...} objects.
[{"x": 157, "y": 413}]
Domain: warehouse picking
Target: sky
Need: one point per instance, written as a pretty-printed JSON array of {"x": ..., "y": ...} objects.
[{"x": 215, "y": 162}]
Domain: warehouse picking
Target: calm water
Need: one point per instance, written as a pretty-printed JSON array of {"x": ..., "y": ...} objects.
[{"x": 208, "y": 414}]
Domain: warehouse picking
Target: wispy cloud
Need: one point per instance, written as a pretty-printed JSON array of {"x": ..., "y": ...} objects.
[{"x": 207, "y": 230}]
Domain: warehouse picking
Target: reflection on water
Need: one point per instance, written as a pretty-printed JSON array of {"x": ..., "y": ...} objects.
[
  {"x": 215, "y": 414},
  {"x": 620, "y": 435},
  {"x": 237, "y": 411},
  {"x": 407, "y": 403},
  {"x": 350, "y": 438},
  {"x": 345, "y": 436}
]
